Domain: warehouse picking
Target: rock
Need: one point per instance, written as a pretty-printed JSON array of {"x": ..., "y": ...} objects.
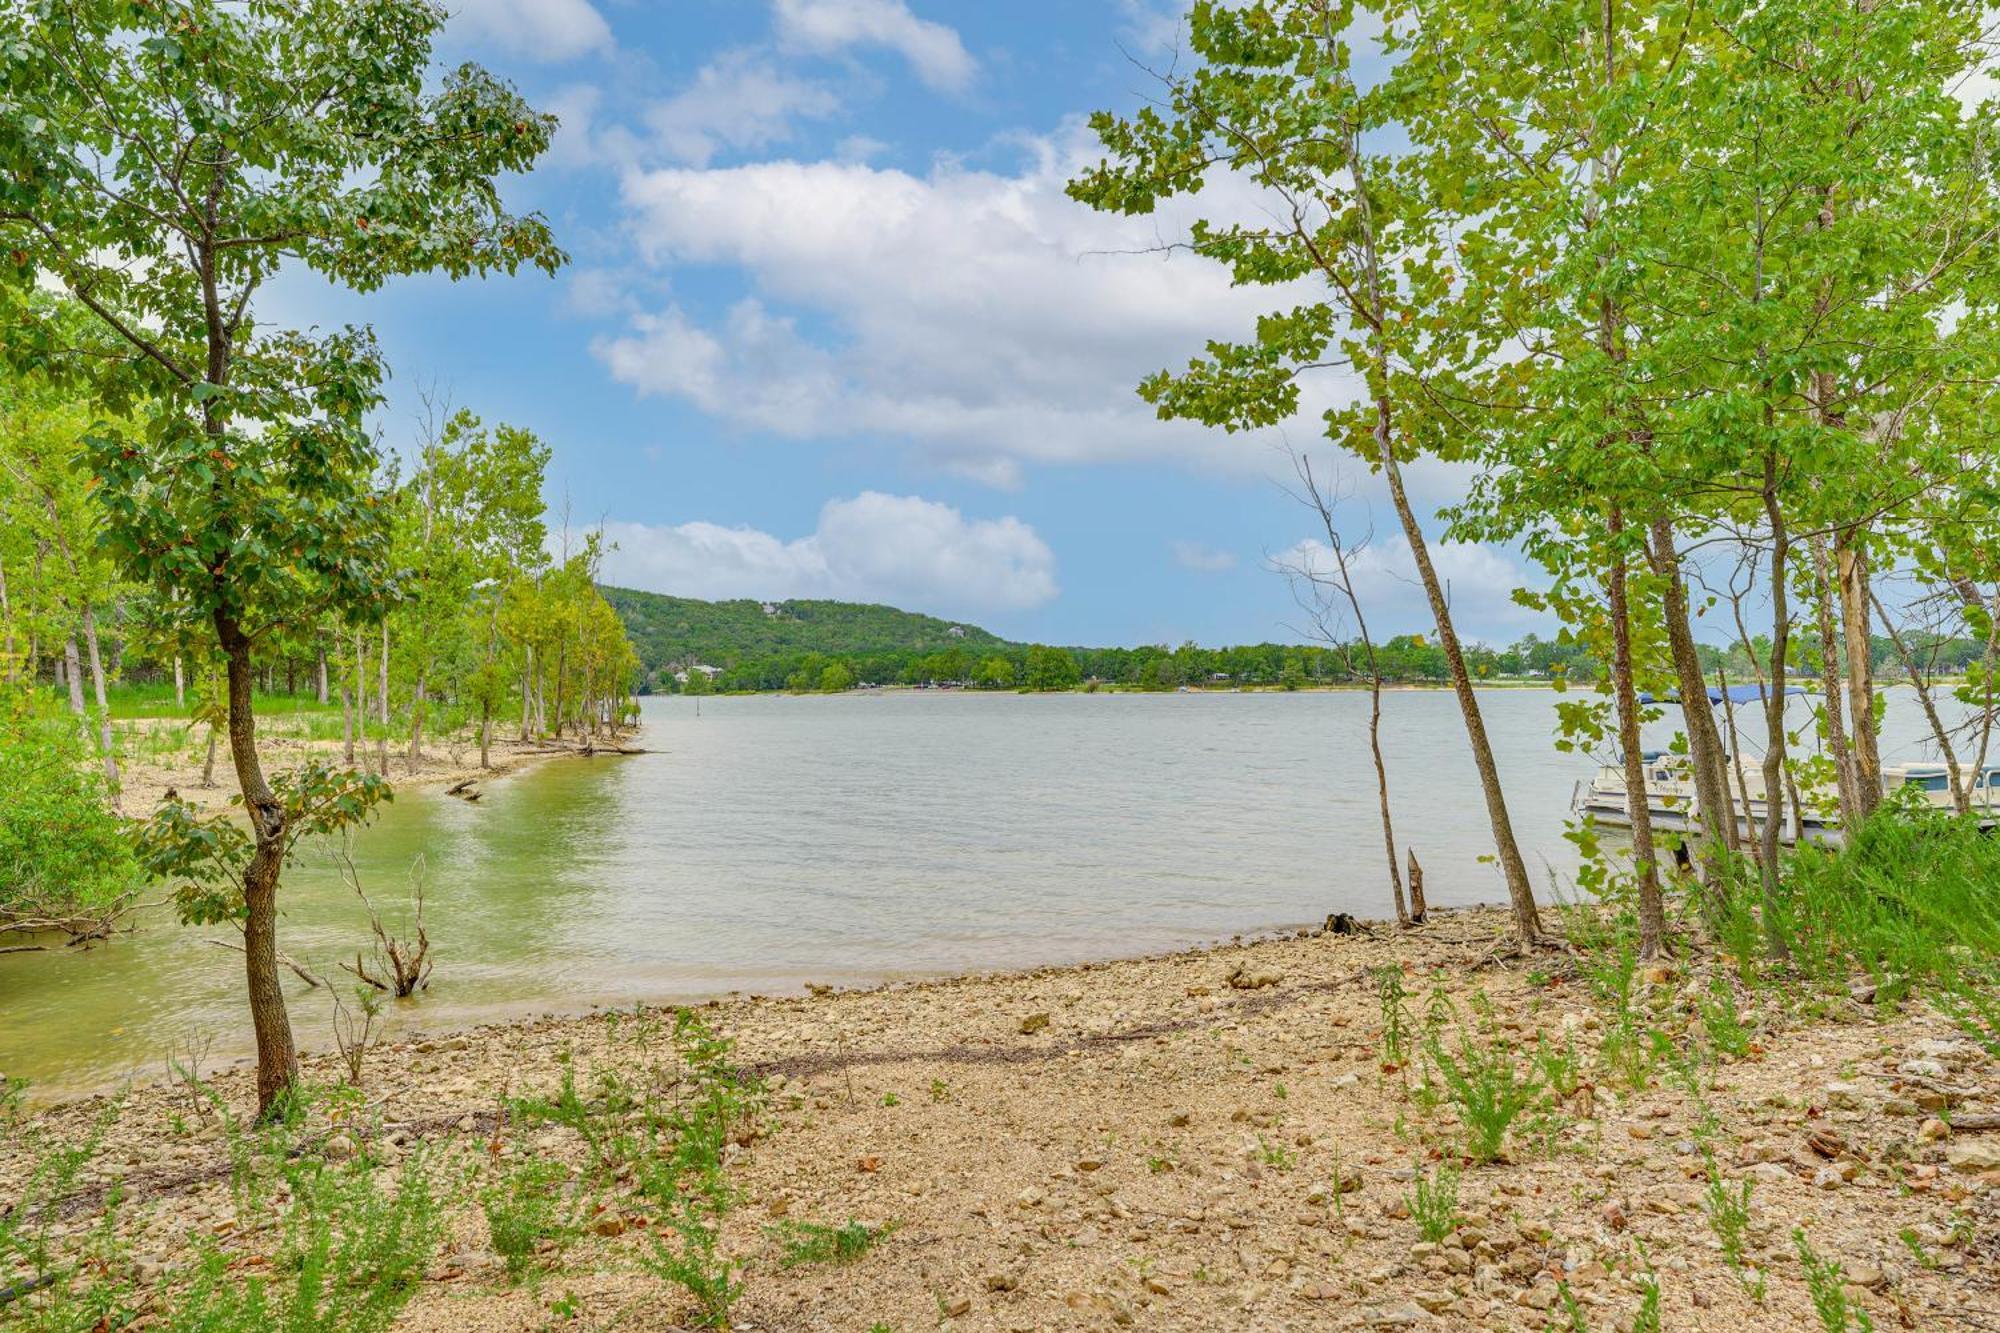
[
  {"x": 1033, "y": 1023},
  {"x": 1866, "y": 1273},
  {"x": 1932, "y": 1130},
  {"x": 1973, "y": 1155},
  {"x": 1827, "y": 1178},
  {"x": 608, "y": 1224},
  {"x": 1613, "y": 1214},
  {"x": 1002, "y": 1281},
  {"x": 1921, "y": 1069},
  {"x": 1542, "y": 1296},
  {"x": 1245, "y": 976},
  {"x": 1843, "y": 1096},
  {"x": 958, "y": 1308}
]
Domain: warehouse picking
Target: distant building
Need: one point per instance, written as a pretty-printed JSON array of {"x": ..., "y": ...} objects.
[
  {"x": 956, "y": 631},
  {"x": 770, "y": 608}
]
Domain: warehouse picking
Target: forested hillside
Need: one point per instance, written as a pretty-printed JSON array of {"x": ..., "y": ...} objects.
[{"x": 672, "y": 633}]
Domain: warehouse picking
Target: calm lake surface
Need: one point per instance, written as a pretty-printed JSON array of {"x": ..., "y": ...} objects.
[{"x": 771, "y": 840}]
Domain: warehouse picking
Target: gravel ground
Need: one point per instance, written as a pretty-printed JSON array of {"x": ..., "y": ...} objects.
[{"x": 1202, "y": 1141}]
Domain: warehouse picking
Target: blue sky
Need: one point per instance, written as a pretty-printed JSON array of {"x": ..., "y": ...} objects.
[{"x": 832, "y": 329}]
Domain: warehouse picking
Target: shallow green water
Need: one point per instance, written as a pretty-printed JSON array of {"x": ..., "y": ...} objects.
[{"x": 772, "y": 840}]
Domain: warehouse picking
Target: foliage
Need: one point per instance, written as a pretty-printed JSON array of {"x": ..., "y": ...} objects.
[
  {"x": 204, "y": 855},
  {"x": 821, "y": 1243},
  {"x": 352, "y": 1254},
  {"x": 1490, "y": 1088},
  {"x": 524, "y": 1208},
  {"x": 1433, "y": 1201},
  {"x": 61, "y": 847},
  {"x": 1824, "y": 1280}
]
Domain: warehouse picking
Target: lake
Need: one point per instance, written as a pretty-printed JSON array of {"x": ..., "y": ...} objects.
[{"x": 768, "y": 841}]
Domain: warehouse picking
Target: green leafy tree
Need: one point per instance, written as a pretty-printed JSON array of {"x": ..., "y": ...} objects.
[
  {"x": 160, "y": 162},
  {"x": 1051, "y": 669}
]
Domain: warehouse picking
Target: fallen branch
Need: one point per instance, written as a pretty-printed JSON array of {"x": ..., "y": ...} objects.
[{"x": 305, "y": 974}]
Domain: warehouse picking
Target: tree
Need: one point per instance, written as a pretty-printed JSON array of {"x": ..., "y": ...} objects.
[
  {"x": 1051, "y": 669},
  {"x": 1275, "y": 102},
  {"x": 160, "y": 162}
]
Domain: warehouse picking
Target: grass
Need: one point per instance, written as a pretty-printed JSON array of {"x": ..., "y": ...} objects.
[
  {"x": 818, "y": 1243},
  {"x": 523, "y": 1210},
  {"x": 1490, "y": 1086},
  {"x": 1433, "y": 1201}
]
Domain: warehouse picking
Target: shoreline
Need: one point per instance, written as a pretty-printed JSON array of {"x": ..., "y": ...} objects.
[{"x": 1201, "y": 1139}]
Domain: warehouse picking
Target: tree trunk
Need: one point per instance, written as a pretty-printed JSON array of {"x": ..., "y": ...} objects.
[
  {"x": 1829, "y": 677},
  {"x": 347, "y": 726},
  {"x": 1711, "y": 777},
  {"x": 322, "y": 674},
  {"x": 1852, "y": 566},
  {"x": 527, "y": 688},
  {"x": 1961, "y": 781},
  {"x": 1652, "y": 912},
  {"x": 180, "y": 685},
  {"x": 382, "y": 702},
  {"x": 1417, "y": 908},
  {"x": 73, "y": 678},
  {"x": 208, "y": 760},
  {"x": 416, "y": 755},
  {"x": 1774, "y": 711},
  {"x": 277, "y": 1056},
  {"x": 104, "y": 736},
  {"x": 361, "y": 694},
  {"x": 7, "y": 616}
]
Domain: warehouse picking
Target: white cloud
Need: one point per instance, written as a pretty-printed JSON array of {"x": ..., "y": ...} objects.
[
  {"x": 1200, "y": 558},
  {"x": 550, "y": 30},
  {"x": 983, "y": 317},
  {"x": 738, "y": 100},
  {"x": 829, "y": 27},
  {"x": 899, "y": 549},
  {"x": 1480, "y": 582}
]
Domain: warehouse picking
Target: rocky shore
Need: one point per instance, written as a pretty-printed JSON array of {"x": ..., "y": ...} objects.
[{"x": 1206, "y": 1140}]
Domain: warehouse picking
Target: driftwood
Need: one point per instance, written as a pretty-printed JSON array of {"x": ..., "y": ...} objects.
[
  {"x": 1417, "y": 908},
  {"x": 1340, "y": 923},
  {"x": 305, "y": 973},
  {"x": 404, "y": 965},
  {"x": 459, "y": 787}
]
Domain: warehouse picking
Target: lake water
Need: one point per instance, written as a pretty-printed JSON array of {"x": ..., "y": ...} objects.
[{"x": 771, "y": 840}]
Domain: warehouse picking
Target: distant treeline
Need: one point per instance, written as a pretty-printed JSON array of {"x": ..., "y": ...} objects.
[{"x": 701, "y": 647}]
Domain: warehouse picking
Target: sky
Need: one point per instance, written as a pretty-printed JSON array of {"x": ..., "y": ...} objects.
[{"x": 831, "y": 328}]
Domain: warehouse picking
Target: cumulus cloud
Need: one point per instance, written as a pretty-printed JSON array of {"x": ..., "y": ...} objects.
[
  {"x": 1201, "y": 558},
  {"x": 981, "y": 316},
  {"x": 829, "y": 27},
  {"x": 1480, "y": 582},
  {"x": 900, "y": 549},
  {"x": 549, "y": 30},
  {"x": 739, "y": 100}
]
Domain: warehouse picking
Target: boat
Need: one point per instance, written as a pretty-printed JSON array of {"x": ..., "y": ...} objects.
[{"x": 1811, "y": 813}]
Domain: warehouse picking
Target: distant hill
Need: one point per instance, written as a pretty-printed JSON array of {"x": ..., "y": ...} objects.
[{"x": 669, "y": 632}]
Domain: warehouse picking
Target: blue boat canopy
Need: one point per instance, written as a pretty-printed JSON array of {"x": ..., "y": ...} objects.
[{"x": 1738, "y": 694}]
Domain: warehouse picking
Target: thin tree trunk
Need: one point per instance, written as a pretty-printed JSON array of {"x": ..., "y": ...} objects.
[
  {"x": 104, "y": 736},
  {"x": 180, "y": 685},
  {"x": 322, "y": 674},
  {"x": 1829, "y": 676},
  {"x": 382, "y": 702},
  {"x": 208, "y": 760},
  {"x": 361, "y": 693},
  {"x": 1652, "y": 911},
  {"x": 1711, "y": 775},
  {"x": 1852, "y": 566},
  {"x": 277, "y": 1056},
  {"x": 1527, "y": 922},
  {"x": 347, "y": 726},
  {"x": 527, "y": 688},
  {"x": 73, "y": 678},
  {"x": 416, "y": 755},
  {"x": 1961, "y": 783},
  {"x": 1751, "y": 839},
  {"x": 7, "y": 615},
  {"x": 1774, "y": 709}
]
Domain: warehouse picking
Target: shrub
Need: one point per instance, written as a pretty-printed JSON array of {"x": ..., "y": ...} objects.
[{"x": 61, "y": 847}]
